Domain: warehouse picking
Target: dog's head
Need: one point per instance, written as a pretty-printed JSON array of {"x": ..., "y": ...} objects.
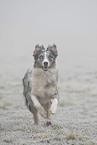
[{"x": 45, "y": 59}]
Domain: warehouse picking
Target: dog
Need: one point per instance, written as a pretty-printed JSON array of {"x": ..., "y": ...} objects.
[{"x": 40, "y": 83}]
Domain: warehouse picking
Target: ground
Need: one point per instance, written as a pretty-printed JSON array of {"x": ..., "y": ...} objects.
[{"x": 74, "y": 123}]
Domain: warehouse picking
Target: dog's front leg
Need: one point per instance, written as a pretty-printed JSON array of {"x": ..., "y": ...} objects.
[
  {"x": 53, "y": 105},
  {"x": 38, "y": 106}
]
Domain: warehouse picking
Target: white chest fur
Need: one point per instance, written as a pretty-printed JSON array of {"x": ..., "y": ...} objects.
[{"x": 41, "y": 79}]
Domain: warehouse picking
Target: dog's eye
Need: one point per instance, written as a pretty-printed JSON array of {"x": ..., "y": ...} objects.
[
  {"x": 50, "y": 58},
  {"x": 41, "y": 57}
]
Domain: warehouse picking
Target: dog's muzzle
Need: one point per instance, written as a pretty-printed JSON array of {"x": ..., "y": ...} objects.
[{"x": 45, "y": 66}]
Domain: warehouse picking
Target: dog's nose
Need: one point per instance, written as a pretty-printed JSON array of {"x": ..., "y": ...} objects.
[{"x": 45, "y": 63}]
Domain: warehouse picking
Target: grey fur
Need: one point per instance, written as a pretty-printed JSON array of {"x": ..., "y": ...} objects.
[
  {"x": 40, "y": 87},
  {"x": 53, "y": 49},
  {"x": 49, "y": 88}
]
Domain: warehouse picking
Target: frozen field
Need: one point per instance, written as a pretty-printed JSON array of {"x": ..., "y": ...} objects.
[
  {"x": 72, "y": 26},
  {"x": 76, "y": 118}
]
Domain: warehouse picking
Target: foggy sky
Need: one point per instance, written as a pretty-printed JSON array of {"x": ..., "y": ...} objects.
[{"x": 71, "y": 24}]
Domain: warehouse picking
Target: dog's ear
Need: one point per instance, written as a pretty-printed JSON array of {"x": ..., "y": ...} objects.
[
  {"x": 37, "y": 50},
  {"x": 53, "y": 49}
]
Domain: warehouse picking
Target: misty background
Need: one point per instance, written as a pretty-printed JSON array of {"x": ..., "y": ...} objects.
[{"x": 71, "y": 25}]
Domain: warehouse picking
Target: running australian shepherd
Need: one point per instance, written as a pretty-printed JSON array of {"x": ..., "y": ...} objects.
[{"x": 40, "y": 83}]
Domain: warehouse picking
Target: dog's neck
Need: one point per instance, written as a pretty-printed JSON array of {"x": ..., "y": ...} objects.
[
  {"x": 39, "y": 72},
  {"x": 44, "y": 76},
  {"x": 43, "y": 80}
]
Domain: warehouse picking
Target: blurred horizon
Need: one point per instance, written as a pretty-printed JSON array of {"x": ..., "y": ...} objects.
[
  {"x": 71, "y": 25},
  {"x": 32, "y": 21}
]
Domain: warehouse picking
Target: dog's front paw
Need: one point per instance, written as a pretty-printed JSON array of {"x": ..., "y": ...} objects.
[{"x": 48, "y": 123}]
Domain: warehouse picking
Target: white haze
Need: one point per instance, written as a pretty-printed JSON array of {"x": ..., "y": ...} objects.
[{"x": 72, "y": 26}]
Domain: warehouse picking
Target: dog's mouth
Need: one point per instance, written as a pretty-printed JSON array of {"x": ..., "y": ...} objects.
[{"x": 45, "y": 68}]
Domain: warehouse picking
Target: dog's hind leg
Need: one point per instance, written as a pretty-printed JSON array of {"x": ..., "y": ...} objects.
[
  {"x": 34, "y": 111},
  {"x": 36, "y": 119},
  {"x": 48, "y": 114}
]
